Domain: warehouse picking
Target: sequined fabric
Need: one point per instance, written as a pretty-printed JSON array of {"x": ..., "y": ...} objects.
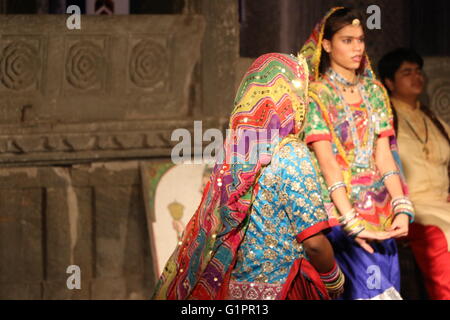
[
  {"x": 272, "y": 97},
  {"x": 327, "y": 120},
  {"x": 287, "y": 206}
]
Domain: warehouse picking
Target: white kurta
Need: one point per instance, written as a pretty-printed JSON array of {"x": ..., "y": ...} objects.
[{"x": 427, "y": 176}]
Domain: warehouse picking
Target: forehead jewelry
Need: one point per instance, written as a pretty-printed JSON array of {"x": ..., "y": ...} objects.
[{"x": 356, "y": 22}]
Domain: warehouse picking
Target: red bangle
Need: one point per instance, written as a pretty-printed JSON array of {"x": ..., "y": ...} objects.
[{"x": 331, "y": 272}]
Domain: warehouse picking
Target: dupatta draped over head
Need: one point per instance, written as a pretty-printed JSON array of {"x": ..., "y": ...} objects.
[{"x": 270, "y": 104}]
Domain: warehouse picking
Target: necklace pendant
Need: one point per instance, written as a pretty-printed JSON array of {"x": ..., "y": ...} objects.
[{"x": 426, "y": 151}]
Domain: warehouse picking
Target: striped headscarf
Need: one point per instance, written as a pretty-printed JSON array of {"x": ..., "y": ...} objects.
[{"x": 270, "y": 104}]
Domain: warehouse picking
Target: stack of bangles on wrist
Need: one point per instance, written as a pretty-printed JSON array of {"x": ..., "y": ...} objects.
[
  {"x": 351, "y": 224},
  {"x": 389, "y": 174},
  {"x": 403, "y": 205},
  {"x": 333, "y": 280}
]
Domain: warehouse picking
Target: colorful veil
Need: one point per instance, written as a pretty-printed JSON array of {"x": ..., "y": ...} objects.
[{"x": 270, "y": 105}]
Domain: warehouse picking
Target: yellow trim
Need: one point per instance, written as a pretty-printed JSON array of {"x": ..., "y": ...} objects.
[
  {"x": 386, "y": 97},
  {"x": 318, "y": 53}
]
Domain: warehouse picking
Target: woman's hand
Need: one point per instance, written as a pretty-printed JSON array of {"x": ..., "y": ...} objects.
[
  {"x": 365, "y": 236},
  {"x": 400, "y": 226},
  {"x": 448, "y": 198}
]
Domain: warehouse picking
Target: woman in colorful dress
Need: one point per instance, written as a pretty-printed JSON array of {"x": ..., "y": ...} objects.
[
  {"x": 257, "y": 232},
  {"x": 350, "y": 131}
]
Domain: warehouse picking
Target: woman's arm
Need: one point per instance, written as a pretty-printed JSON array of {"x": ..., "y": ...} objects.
[
  {"x": 320, "y": 254},
  {"x": 332, "y": 174},
  {"x": 385, "y": 162}
]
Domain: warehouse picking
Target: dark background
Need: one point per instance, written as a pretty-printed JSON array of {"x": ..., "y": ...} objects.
[{"x": 283, "y": 25}]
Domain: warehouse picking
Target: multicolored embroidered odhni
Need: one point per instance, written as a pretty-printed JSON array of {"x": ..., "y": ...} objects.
[
  {"x": 270, "y": 104},
  {"x": 329, "y": 118}
]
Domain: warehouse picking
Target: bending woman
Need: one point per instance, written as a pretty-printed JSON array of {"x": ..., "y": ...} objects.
[
  {"x": 349, "y": 129},
  {"x": 257, "y": 232}
]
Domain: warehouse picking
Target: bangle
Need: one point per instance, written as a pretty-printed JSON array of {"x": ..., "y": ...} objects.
[
  {"x": 408, "y": 213},
  {"x": 401, "y": 207},
  {"x": 351, "y": 224},
  {"x": 330, "y": 274},
  {"x": 333, "y": 280},
  {"x": 347, "y": 217},
  {"x": 354, "y": 227},
  {"x": 388, "y": 174},
  {"x": 335, "y": 186},
  {"x": 401, "y": 202},
  {"x": 400, "y": 199}
]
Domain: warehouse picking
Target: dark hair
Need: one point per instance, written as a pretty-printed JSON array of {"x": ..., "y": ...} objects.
[
  {"x": 338, "y": 20},
  {"x": 388, "y": 66},
  {"x": 391, "y": 62}
]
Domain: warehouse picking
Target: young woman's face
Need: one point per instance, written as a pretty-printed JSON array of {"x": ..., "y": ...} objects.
[{"x": 346, "y": 47}]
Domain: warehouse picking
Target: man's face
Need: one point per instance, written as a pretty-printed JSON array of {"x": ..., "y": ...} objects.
[{"x": 408, "y": 80}]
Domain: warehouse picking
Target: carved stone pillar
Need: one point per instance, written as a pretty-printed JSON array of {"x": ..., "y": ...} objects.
[{"x": 220, "y": 51}]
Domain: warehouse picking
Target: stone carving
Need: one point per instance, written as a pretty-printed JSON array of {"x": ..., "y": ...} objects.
[
  {"x": 115, "y": 89},
  {"x": 152, "y": 140},
  {"x": 19, "y": 65},
  {"x": 437, "y": 71},
  {"x": 148, "y": 64},
  {"x": 440, "y": 99},
  {"x": 220, "y": 52},
  {"x": 84, "y": 65}
]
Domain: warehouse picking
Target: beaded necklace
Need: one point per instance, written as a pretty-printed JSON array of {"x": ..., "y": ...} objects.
[{"x": 363, "y": 151}]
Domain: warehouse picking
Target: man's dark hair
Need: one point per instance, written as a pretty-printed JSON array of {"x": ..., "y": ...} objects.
[
  {"x": 391, "y": 62},
  {"x": 388, "y": 66}
]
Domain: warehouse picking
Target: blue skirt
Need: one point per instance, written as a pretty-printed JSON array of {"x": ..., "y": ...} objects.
[{"x": 367, "y": 276}]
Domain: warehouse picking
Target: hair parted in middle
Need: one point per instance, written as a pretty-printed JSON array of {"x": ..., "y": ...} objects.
[{"x": 338, "y": 20}]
